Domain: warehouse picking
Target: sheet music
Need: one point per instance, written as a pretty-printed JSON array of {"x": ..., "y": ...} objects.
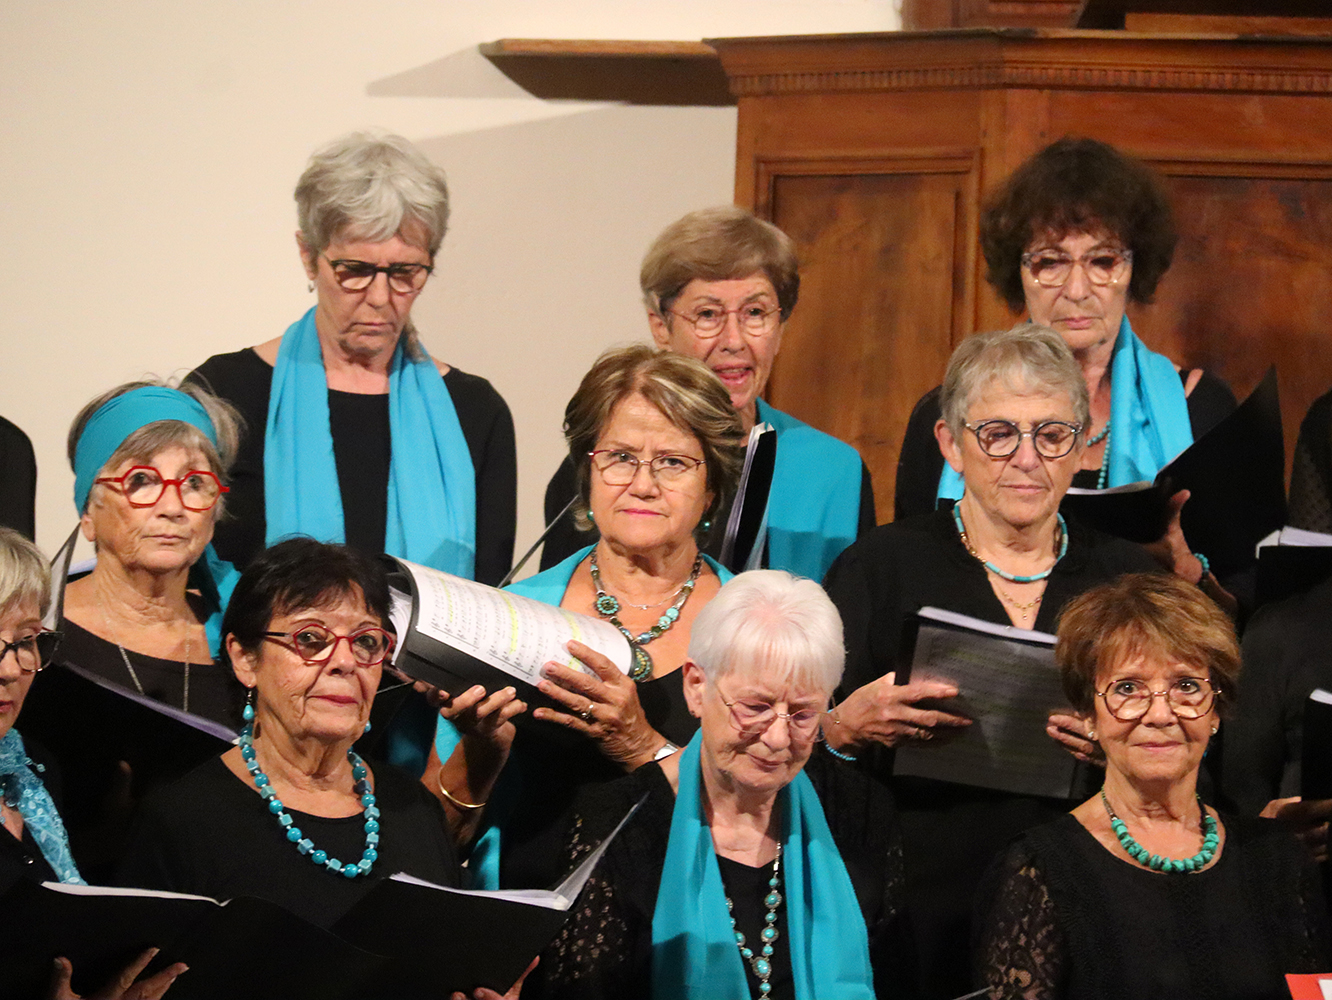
[
  {"x": 511, "y": 633},
  {"x": 1008, "y": 684},
  {"x": 755, "y": 559}
]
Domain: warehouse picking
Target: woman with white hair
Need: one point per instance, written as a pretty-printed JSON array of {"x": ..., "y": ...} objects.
[
  {"x": 354, "y": 433},
  {"x": 742, "y": 873}
]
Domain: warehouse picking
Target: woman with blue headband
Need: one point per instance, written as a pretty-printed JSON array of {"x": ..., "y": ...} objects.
[{"x": 150, "y": 466}]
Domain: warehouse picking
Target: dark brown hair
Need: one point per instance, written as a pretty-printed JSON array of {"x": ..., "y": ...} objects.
[
  {"x": 1078, "y": 186},
  {"x": 1144, "y": 614}
]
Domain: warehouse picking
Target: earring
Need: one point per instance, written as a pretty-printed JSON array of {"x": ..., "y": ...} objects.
[
  {"x": 247, "y": 713},
  {"x": 367, "y": 727},
  {"x": 706, "y": 526},
  {"x": 310, "y": 287},
  {"x": 1214, "y": 729},
  {"x": 590, "y": 516}
]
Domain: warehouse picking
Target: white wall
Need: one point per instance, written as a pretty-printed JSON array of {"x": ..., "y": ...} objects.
[{"x": 148, "y": 151}]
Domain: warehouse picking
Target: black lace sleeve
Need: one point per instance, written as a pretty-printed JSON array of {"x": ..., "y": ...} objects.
[
  {"x": 1314, "y": 948},
  {"x": 1020, "y": 953}
]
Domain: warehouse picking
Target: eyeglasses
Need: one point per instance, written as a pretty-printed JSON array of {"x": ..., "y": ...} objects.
[
  {"x": 755, "y": 319},
  {"x": 1129, "y": 699},
  {"x": 753, "y": 718},
  {"x": 32, "y": 652},
  {"x": 314, "y": 643},
  {"x": 1001, "y": 438},
  {"x": 358, "y": 275},
  {"x": 1102, "y": 267},
  {"x": 143, "y": 486},
  {"x": 619, "y": 468}
]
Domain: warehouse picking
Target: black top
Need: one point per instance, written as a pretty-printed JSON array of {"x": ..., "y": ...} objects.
[
  {"x": 950, "y": 832},
  {"x": 547, "y": 767},
  {"x": 1311, "y": 475},
  {"x": 920, "y": 463},
  {"x": 18, "y": 480},
  {"x": 22, "y": 858},
  {"x": 1287, "y": 652},
  {"x": 565, "y": 539},
  {"x": 211, "y": 834},
  {"x": 1060, "y": 916},
  {"x": 605, "y": 949},
  {"x": 361, "y": 449}
]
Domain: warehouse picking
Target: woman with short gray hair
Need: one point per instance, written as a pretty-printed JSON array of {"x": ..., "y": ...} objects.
[
  {"x": 1013, "y": 430},
  {"x": 352, "y": 435}
]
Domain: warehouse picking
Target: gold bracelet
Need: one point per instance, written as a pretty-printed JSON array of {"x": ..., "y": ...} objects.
[{"x": 466, "y": 806}]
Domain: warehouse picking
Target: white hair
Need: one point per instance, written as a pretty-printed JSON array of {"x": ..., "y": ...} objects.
[
  {"x": 24, "y": 576},
  {"x": 769, "y": 619}
]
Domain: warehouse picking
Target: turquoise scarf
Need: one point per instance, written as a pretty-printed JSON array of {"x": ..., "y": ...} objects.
[
  {"x": 432, "y": 485},
  {"x": 693, "y": 945},
  {"x": 1149, "y": 416},
  {"x": 106, "y": 430},
  {"x": 25, "y": 792},
  {"x": 814, "y": 506}
]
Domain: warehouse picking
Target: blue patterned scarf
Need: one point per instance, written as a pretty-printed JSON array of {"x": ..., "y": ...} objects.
[
  {"x": 24, "y": 791},
  {"x": 1149, "y": 416},
  {"x": 693, "y": 944},
  {"x": 432, "y": 485}
]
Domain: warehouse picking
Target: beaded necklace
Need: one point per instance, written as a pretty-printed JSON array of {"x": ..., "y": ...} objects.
[
  {"x": 1105, "y": 458},
  {"x": 1012, "y": 577},
  {"x": 608, "y": 606},
  {"x": 293, "y": 832},
  {"x": 761, "y": 963},
  {"x": 1157, "y": 863}
]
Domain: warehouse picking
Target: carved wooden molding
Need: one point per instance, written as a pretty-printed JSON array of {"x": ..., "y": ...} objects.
[{"x": 1010, "y": 59}]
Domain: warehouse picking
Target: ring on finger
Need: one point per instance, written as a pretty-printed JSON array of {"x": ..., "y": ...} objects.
[
  {"x": 925, "y": 734},
  {"x": 586, "y": 714}
]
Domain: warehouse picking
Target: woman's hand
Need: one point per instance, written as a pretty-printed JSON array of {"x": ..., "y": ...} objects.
[
  {"x": 885, "y": 712},
  {"x": 1072, "y": 732},
  {"x": 1172, "y": 551},
  {"x": 1307, "y": 819},
  {"x": 603, "y": 705},
  {"x": 125, "y": 986},
  {"x": 484, "y": 721},
  {"x": 514, "y": 990}
]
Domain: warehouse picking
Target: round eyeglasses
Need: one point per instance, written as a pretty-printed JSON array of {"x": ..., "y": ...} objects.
[
  {"x": 708, "y": 320},
  {"x": 618, "y": 468},
  {"x": 1052, "y": 269},
  {"x": 1129, "y": 699},
  {"x": 32, "y": 652},
  {"x": 750, "y": 718},
  {"x": 314, "y": 643},
  {"x": 1001, "y": 438},
  {"x": 357, "y": 275},
  {"x": 143, "y": 486}
]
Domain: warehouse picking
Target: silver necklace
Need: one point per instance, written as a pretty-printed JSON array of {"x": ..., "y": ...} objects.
[
  {"x": 134, "y": 675},
  {"x": 761, "y": 962}
]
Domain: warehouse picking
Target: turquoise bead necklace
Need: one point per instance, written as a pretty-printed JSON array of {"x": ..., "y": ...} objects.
[
  {"x": 360, "y": 777},
  {"x": 761, "y": 963},
  {"x": 1012, "y": 577},
  {"x": 608, "y": 606},
  {"x": 1104, "y": 474},
  {"x": 1157, "y": 863}
]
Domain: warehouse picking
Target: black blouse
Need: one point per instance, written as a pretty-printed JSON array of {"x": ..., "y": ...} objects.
[
  {"x": 1060, "y": 916},
  {"x": 361, "y": 450}
]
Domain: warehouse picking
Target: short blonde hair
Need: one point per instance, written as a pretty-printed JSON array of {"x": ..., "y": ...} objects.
[
  {"x": 25, "y": 577},
  {"x": 1144, "y": 614},
  {"x": 719, "y": 244},
  {"x": 686, "y": 391}
]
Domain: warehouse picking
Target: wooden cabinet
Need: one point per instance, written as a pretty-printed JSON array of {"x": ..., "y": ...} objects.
[{"x": 875, "y": 151}]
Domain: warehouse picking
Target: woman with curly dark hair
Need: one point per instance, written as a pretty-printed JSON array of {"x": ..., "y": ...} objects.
[{"x": 1072, "y": 236}]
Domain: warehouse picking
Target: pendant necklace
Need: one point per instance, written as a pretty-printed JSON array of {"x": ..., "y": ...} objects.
[
  {"x": 134, "y": 675},
  {"x": 761, "y": 962},
  {"x": 608, "y": 606},
  {"x": 1156, "y": 862}
]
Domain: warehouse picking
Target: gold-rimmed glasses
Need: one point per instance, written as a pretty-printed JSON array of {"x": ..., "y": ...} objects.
[
  {"x": 1052, "y": 268},
  {"x": 618, "y": 468},
  {"x": 1129, "y": 699}
]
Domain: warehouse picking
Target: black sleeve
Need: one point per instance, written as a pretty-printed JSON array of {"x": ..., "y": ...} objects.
[
  {"x": 1019, "y": 953},
  {"x": 488, "y": 427},
  {"x": 1311, "y": 475},
  {"x": 18, "y": 480},
  {"x": 867, "y": 513},
  {"x": 1210, "y": 402},
  {"x": 920, "y": 462},
  {"x": 865, "y": 620},
  {"x": 564, "y": 539}
]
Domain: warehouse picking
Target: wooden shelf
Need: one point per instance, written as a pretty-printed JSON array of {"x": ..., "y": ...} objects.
[{"x": 633, "y": 72}]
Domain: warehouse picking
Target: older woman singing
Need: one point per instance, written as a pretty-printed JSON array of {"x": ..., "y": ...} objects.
[{"x": 743, "y": 873}]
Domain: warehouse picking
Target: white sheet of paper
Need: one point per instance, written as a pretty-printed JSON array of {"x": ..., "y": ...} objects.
[
  {"x": 512, "y": 633},
  {"x": 1008, "y": 684}
]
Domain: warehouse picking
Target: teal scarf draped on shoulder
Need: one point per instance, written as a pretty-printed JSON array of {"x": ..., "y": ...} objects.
[
  {"x": 1149, "y": 416},
  {"x": 814, "y": 506},
  {"x": 24, "y": 791},
  {"x": 432, "y": 485},
  {"x": 694, "y": 954}
]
